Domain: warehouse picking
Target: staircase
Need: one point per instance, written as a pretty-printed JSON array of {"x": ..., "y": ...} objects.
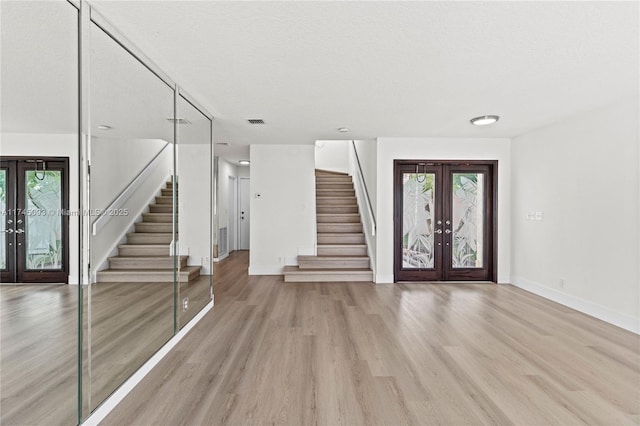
[
  {"x": 342, "y": 251},
  {"x": 146, "y": 255}
]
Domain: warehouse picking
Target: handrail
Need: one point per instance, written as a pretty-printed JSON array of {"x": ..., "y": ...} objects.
[
  {"x": 125, "y": 194},
  {"x": 364, "y": 185}
]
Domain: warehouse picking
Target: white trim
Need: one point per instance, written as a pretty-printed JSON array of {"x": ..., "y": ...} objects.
[
  {"x": 110, "y": 403},
  {"x": 587, "y": 307},
  {"x": 221, "y": 258},
  {"x": 265, "y": 270},
  {"x": 384, "y": 278},
  {"x": 292, "y": 260}
]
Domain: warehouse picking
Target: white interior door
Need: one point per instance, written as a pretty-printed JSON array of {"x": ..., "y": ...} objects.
[
  {"x": 243, "y": 213},
  {"x": 232, "y": 214}
]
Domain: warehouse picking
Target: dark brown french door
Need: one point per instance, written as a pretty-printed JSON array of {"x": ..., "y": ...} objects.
[
  {"x": 34, "y": 226},
  {"x": 444, "y": 217}
]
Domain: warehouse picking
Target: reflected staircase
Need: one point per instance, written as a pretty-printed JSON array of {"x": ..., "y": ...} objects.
[
  {"x": 146, "y": 256},
  {"x": 342, "y": 250}
]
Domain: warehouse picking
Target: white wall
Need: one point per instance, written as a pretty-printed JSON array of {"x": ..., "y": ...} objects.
[
  {"x": 243, "y": 171},
  {"x": 332, "y": 156},
  {"x": 367, "y": 151},
  {"x": 368, "y": 155},
  {"x": 50, "y": 145},
  {"x": 582, "y": 174},
  {"x": 283, "y": 218},
  {"x": 194, "y": 204},
  {"x": 390, "y": 149},
  {"x": 115, "y": 163}
]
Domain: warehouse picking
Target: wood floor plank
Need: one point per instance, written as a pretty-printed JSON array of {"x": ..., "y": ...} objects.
[{"x": 272, "y": 352}]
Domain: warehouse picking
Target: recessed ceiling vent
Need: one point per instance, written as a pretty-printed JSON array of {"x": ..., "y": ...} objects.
[
  {"x": 179, "y": 120},
  {"x": 255, "y": 120},
  {"x": 222, "y": 143}
]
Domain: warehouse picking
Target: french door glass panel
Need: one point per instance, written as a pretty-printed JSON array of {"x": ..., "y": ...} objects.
[
  {"x": 3, "y": 223},
  {"x": 468, "y": 220},
  {"x": 418, "y": 243},
  {"x": 43, "y": 226}
]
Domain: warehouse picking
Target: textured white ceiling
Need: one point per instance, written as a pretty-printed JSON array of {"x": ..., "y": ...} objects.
[{"x": 387, "y": 68}]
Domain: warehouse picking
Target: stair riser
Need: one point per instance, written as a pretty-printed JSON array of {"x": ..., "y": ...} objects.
[
  {"x": 157, "y": 218},
  {"x": 339, "y": 227},
  {"x": 361, "y": 277},
  {"x": 339, "y": 219},
  {"x": 132, "y": 277},
  {"x": 162, "y": 263},
  {"x": 335, "y": 193},
  {"x": 322, "y": 181},
  {"x": 333, "y": 264},
  {"x": 323, "y": 186},
  {"x": 164, "y": 200},
  {"x": 163, "y": 208},
  {"x": 149, "y": 239},
  {"x": 154, "y": 227},
  {"x": 330, "y": 174},
  {"x": 341, "y": 239},
  {"x": 167, "y": 192},
  {"x": 341, "y": 201},
  {"x": 342, "y": 251},
  {"x": 144, "y": 251},
  {"x": 336, "y": 209}
]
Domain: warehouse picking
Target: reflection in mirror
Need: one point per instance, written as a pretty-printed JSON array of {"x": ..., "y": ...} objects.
[
  {"x": 39, "y": 118},
  {"x": 194, "y": 160},
  {"x": 130, "y": 303}
]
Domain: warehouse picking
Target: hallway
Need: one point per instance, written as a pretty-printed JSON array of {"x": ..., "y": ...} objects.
[{"x": 356, "y": 353}]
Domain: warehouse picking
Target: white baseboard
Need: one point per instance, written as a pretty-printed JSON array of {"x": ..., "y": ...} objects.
[
  {"x": 110, "y": 403},
  {"x": 221, "y": 258},
  {"x": 586, "y": 307},
  {"x": 292, "y": 260},
  {"x": 265, "y": 270}
]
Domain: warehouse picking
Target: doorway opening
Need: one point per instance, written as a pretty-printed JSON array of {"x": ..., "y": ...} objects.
[
  {"x": 445, "y": 220},
  {"x": 34, "y": 227},
  {"x": 243, "y": 213}
]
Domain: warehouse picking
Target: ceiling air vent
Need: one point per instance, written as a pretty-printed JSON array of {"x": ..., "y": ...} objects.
[
  {"x": 255, "y": 120},
  {"x": 222, "y": 143}
]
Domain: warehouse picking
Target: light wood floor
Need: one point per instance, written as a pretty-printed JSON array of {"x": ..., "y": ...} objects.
[
  {"x": 39, "y": 336},
  {"x": 362, "y": 354}
]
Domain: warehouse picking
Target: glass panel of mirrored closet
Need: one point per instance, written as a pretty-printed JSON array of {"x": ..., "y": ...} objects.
[
  {"x": 129, "y": 309},
  {"x": 39, "y": 213},
  {"x": 194, "y": 195}
]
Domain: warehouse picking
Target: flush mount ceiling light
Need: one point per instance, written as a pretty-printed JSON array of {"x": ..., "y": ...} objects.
[
  {"x": 484, "y": 120},
  {"x": 343, "y": 129},
  {"x": 103, "y": 127},
  {"x": 244, "y": 162}
]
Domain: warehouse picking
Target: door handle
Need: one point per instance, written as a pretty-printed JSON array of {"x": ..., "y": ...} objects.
[
  {"x": 438, "y": 231},
  {"x": 447, "y": 231},
  {"x": 8, "y": 231},
  {"x": 19, "y": 231}
]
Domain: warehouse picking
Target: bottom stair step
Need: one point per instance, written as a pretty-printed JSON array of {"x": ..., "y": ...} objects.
[
  {"x": 295, "y": 274},
  {"x": 186, "y": 274},
  {"x": 333, "y": 262}
]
